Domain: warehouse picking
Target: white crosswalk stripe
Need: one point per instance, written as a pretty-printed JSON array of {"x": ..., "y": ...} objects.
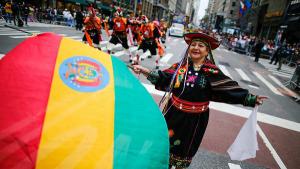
[
  {"x": 10, "y": 34},
  {"x": 267, "y": 83},
  {"x": 234, "y": 166},
  {"x": 20, "y": 37},
  {"x": 74, "y": 37},
  {"x": 1, "y": 56},
  {"x": 166, "y": 58},
  {"x": 243, "y": 74},
  {"x": 289, "y": 92},
  {"x": 285, "y": 71},
  {"x": 225, "y": 71}
]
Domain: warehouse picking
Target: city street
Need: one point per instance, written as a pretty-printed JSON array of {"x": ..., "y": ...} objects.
[{"x": 278, "y": 117}]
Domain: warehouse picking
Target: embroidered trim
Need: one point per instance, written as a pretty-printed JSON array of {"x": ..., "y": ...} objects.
[
  {"x": 250, "y": 100},
  {"x": 181, "y": 162},
  {"x": 227, "y": 88},
  {"x": 153, "y": 77},
  {"x": 220, "y": 82}
]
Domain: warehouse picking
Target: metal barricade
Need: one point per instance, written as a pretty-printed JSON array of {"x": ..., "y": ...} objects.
[{"x": 294, "y": 82}]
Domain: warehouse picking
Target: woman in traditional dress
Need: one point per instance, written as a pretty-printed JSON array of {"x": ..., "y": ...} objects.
[{"x": 190, "y": 85}]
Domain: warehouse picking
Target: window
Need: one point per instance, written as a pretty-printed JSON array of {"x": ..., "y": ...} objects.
[
  {"x": 231, "y": 12},
  {"x": 233, "y": 3}
]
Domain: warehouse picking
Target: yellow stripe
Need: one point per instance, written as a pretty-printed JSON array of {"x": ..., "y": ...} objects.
[{"x": 78, "y": 132}]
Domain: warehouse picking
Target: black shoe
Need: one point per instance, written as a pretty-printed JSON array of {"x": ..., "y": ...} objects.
[
  {"x": 157, "y": 67},
  {"x": 149, "y": 56}
]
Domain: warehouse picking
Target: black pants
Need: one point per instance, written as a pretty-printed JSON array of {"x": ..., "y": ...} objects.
[
  {"x": 148, "y": 44},
  {"x": 119, "y": 37},
  {"x": 257, "y": 56},
  {"x": 95, "y": 36}
]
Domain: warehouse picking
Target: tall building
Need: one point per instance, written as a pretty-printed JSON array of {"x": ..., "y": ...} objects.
[
  {"x": 273, "y": 17},
  {"x": 264, "y": 18},
  {"x": 147, "y": 8},
  {"x": 187, "y": 8},
  {"x": 196, "y": 8},
  {"x": 172, "y": 6},
  {"x": 223, "y": 14},
  {"x": 160, "y": 9},
  {"x": 178, "y": 10},
  {"x": 211, "y": 13}
]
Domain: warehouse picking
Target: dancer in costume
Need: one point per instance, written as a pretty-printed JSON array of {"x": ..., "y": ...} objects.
[
  {"x": 92, "y": 30},
  {"x": 192, "y": 84},
  {"x": 119, "y": 35}
]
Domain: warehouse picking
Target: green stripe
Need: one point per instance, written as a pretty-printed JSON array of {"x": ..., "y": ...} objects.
[{"x": 140, "y": 131}]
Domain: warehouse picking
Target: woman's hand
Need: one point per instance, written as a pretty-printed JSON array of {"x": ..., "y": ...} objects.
[
  {"x": 260, "y": 99},
  {"x": 140, "y": 69}
]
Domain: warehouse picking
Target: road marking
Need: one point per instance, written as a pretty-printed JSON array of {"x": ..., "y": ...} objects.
[
  {"x": 282, "y": 70},
  {"x": 282, "y": 75},
  {"x": 225, "y": 71},
  {"x": 268, "y": 84},
  {"x": 12, "y": 34},
  {"x": 103, "y": 42},
  {"x": 118, "y": 54},
  {"x": 74, "y": 37},
  {"x": 262, "y": 117},
  {"x": 1, "y": 56},
  {"x": 291, "y": 93},
  {"x": 20, "y": 37},
  {"x": 133, "y": 49},
  {"x": 146, "y": 54},
  {"x": 166, "y": 58},
  {"x": 243, "y": 74},
  {"x": 241, "y": 112},
  {"x": 255, "y": 87},
  {"x": 234, "y": 166},
  {"x": 271, "y": 148}
]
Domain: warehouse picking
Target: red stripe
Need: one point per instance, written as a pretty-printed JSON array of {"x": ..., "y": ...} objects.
[{"x": 26, "y": 75}]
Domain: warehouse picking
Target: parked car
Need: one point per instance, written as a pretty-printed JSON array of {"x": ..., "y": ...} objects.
[{"x": 176, "y": 29}]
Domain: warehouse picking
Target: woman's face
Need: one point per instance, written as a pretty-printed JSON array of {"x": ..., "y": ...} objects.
[{"x": 198, "y": 50}]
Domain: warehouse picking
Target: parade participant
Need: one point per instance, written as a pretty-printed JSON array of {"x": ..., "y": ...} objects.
[
  {"x": 192, "y": 84},
  {"x": 119, "y": 35},
  {"x": 135, "y": 29},
  {"x": 157, "y": 35},
  {"x": 163, "y": 29},
  {"x": 148, "y": 39},
  {"x": 92, "y": 29}
]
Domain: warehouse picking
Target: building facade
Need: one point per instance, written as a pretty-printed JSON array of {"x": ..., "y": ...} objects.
[
  {"x": 226, "y": 15},
  {"x": 160, "y": 9},
  {"x": 147, "y": 8}
]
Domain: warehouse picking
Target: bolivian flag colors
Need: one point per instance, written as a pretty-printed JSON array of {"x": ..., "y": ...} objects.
[{"x": 65, "y": 105}]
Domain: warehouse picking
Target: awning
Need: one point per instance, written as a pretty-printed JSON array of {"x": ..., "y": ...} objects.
[{"x": 78, "y": 2}]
